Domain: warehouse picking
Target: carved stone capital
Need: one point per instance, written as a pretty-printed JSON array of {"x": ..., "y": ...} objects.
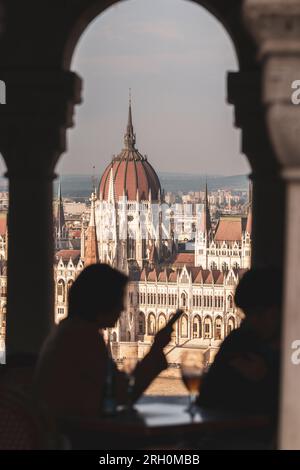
[
  {"x": 33, "y": 123},
  {"x": 275, "y": 26}
]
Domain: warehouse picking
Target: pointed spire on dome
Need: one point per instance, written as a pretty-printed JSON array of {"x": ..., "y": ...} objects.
[{"x": 129, "y": 138}]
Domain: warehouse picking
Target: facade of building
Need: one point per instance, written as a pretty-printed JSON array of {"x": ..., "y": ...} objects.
[{"x": 128, "y": 230}]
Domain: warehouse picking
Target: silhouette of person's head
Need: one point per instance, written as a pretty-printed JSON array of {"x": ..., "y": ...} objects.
[
  {"x": 259, "y": 295},
  {"x": 98, "y": 295}
]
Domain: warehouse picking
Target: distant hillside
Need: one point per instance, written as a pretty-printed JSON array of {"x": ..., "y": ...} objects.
[
  {"x": 186, "y": 182},
  {"x": 80, "y": 186}
]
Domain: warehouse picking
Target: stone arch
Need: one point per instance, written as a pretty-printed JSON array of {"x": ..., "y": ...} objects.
[
  {"x": 207, "y": 327},
  {"x": 69, "y": 284},
  {"x": 218, "y": 328},
  {"x": 114, "y": 337},
  {"x": 142, "y": 324},
  {"x": 61, "y": 290},
  {"x": 197, "y": 327},
  {"x": 230, "y": 301},
  {"x": 230, "y": 325},
  {"x": 184, "y": 326},
  {"x": 151, "y": 330},
  {"x": 86, "y": 12},
  {"x": 162, "y": 321}
]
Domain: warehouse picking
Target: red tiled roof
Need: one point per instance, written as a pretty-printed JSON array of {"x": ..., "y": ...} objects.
[
  {"x": 181, "y": 259},
  {"x": 67, "y": 254},
  {"x": 3, "y": 223},
  {"x": 229, "y": 228},
  {"x": 173, "y": 276}
]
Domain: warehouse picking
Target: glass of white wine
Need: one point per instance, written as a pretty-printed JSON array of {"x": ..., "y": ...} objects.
[
  {"x": 129, "y": 365},
  {"x": 192, "y": 370}
]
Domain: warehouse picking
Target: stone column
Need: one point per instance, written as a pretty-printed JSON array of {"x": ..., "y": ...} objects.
[
  {"x": 268, "y": 199},
  {"x": 275, "y": 27},
  {"x": 32, "y": 136}
]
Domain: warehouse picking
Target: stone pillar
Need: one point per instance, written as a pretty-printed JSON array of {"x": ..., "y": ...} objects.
[
  {"x": 32, "y": 136},
  {"x": 275, "y": 27},
  {"x": 268, "y": 200}
]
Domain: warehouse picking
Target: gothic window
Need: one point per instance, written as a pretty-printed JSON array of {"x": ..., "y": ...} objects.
[
  {"x": 207, "y": 328},
  {"x": 224, "y": 266},
  {"x": 61, "y": 291},
  {"x": 197, "y": 333},
  {"x": 184, "y": 326},
  {"x": 213, "y": 266},
  {"x": 151, "y": 324},
  {"x": 141, "y": 323},
  {"x": 218, "y": 328},
  {"x": 230, "y": 301},
  {"x": 230, "y": 325},
  {"x": 114, "y": 337},
  {"x": 161, "y": 321},
  {"x": 183, "y": 300}
]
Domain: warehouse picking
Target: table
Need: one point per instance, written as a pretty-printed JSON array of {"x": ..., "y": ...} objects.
[{"x": 156, "y": 425}]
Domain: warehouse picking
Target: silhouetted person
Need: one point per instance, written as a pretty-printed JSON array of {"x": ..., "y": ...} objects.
[
  {"x": 245, "y": 373},
  {"x": 73, "y": 362}
]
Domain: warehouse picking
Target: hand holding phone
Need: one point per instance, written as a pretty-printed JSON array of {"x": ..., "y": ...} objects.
[
  {"x": 163, "y": 337},
  {"x": 175, "y": 317}
]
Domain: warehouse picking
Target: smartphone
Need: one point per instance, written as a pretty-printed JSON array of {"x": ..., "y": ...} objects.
[{"x": 175, "y": 317}]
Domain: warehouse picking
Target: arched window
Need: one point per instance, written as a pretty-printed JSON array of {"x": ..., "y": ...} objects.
[
  {"x": 230, "y": 301},
  {"x": 161, "y": 321},
  {"x": 184, "y": 326},
  {"x": 207, "y": 328},
  {"x": 114, "y": 337},
  {"x": 197, "y": 330},
  {"x": 230, "y": 325},
  {"x": 69, "y": 285},
  {"x": 224, "y": 266},
  {"x": 218, "y": 328},
  {"x": 183, "y": 299},
  {"x": 151, "y": 324},
  {"x": 142, "y": 325},
  {"x": 61, "y": 290}
]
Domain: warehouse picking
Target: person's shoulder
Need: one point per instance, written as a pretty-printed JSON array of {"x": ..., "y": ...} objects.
[{"x": 237, "y": 339}]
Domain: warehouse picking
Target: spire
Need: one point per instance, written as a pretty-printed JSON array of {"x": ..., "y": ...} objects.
[
  {"x": 206, "y": 208},
  {"x": 60, "y": 216},
  {"x": 91, "y": 246},
  {"x": 129, "y": 138},
  {"x": 250, "y": 193},
  {"x": 249, "y": 215}
]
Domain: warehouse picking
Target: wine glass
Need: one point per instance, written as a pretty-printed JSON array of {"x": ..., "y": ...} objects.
[
  {"x": 129, "y": 365},
  {"x": 192, "y": 369}
]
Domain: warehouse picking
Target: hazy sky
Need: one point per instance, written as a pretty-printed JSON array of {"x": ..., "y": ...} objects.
[{"x": 174, "y": 55}]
